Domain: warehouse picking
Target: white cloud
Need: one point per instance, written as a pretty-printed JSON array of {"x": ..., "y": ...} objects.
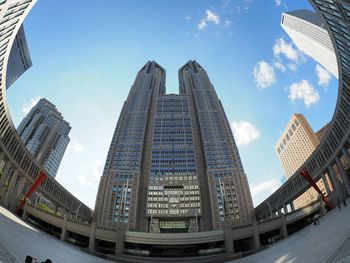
[
  {"x": 323, "y": 76},
  {"x": 304, "y": 91},
  {"x": 292, "y": 66},
  {"x": 244, "y": 132},
  {"x": 202, "y": 24},
  {"x": 227, "y": 22},
  {"x": 267, "y": 186},
  {"x": 278, "y": 2},
  {"x": 90, "y": 174},
  {"x": 264, "y": 74},
  {"x": 279, "y": 66},
  {"x": 26, "y": 107},
  {"x": 287, "y": 49},
  {"x": 212, "y": 17},
  {"x": 188, "y": 17},
  {"x": 76, "y": 146}
]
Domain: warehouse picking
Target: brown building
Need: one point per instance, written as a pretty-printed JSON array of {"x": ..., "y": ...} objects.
[{"x": 296, "y": 144}]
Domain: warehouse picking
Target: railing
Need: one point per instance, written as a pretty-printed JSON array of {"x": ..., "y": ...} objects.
[
  {"x": 242, "y": 226},
  {"x": 269, "y": 220},
  {"x": 43, "y": 211}
]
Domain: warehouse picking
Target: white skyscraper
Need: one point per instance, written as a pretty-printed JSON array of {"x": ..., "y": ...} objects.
[{"x": 308, "y": 33}]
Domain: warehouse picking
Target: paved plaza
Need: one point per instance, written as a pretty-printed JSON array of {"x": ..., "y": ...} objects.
[
  {"x": 18, "y": 239},
  {"x": 313, "y": 244}
]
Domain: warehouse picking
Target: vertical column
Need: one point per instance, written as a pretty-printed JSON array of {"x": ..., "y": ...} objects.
[
  {"x": 256, "y": 236},
  {"x": 347, "y": 158},
  {"x": 92, "y": 237},
  {"x": 322, "y": 209},
  {"x": 56, "y": 209},
  {"x": 3, "y": 177},
  {"x": 229, "y": 249},
  {"x": 9, "y": 196},
  {"x": 2, "y": 155},
  {"x": 325, "y": 183},
  {"x": 22, "y": 182},
  {"x": 335, "y": 183},
  {"x": 25, "y": 214},
  {"x": 279, "y": 212},
  {"x": 119, "y": 241},
  {"x": 283, "y": 229},
  {"x": 64, "y": 229},
  {"x": 285, "y": 210},
  {"x": 343, "y": 174}
]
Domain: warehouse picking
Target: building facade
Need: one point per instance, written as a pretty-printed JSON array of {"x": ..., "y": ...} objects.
[
  {"x": 45, "y": 134},
  {"x": 308, "y": 33},
  {"x": 19, "y": 59},
  {"x": 321, "y": 133},
  {"x": 294, "y": 147},
  {"x": 173, "y": 165}
]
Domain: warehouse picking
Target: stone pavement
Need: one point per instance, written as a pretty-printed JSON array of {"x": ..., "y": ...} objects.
[
  {"x": 312, "y": 244},
  {"x": 342, "y": 254},
  {"x": 18, "y": 239},
  {"x": 327, "y": 242}
]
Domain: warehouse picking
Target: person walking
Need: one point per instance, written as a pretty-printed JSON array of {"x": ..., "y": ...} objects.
[{"x": 29, "y": 259}]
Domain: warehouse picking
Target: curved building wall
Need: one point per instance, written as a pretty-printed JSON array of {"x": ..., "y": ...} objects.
[
  {"x": 21, "y": 169},
  {"x": 335, "y": 144}
]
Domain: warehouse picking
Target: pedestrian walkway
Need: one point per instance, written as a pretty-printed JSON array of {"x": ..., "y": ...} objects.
[
  {"x": 312, "y": 244},
  {"x": 18, "y": 239},
  {"x": 327, "y": 242},
  {"x": 342, "y": 254}
]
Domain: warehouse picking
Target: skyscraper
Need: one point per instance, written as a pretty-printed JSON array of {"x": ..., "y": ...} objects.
[
  {"x": 45, "y": 134},
  {"x": 19, "y": 59},
  {"x": 173, "y": 164},
  {"x": 297, "y": 142},
  {"x": 308, "y": 33}
]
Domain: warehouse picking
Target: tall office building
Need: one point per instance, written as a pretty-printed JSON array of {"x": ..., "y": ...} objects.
[
  {"x": 19, "y": 59},
  {"x": 296, "y": 144},
  {"x": 308, "y": 33},
  {"x": 323, "y": 131},
  {"x": 173, "y": 164},
  {"x": 45, "y": 134}
]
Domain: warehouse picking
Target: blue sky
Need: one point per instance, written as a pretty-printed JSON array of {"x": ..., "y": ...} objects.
[{"x": 86, "y": 55}]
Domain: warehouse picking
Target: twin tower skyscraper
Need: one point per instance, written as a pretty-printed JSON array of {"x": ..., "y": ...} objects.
[{"x": 173, "y": 165}]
